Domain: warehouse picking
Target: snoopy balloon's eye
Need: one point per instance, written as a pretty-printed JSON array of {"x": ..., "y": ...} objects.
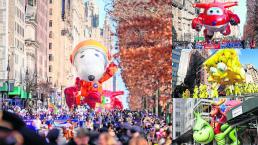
[
  {"x": 82, "y": 56},
  {"x": 96, "y": 54}
]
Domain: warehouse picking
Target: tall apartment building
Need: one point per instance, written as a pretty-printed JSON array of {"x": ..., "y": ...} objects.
[
  {"x": 12, "y": 52},
  {"x": 196, "y": 74},
  {"x": 249, "y": 28},
  {"x": 182, "y": 14},
  {"x": 65, "y": 31},
  {"x": 183, "y": 66},
  {"x": 253, "y": 72},
  {"x": 4, "y": 45},
  {"x": 31, "y": 43},
  {"x": 180, "y": 65},
  {"x": 42, "y": 39},
  {"x": 176, "y": 54},
  {"x": 36, "y": 39}
]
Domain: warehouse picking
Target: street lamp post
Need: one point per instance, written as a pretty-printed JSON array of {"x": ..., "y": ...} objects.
[
  {"x": 7, "y": 82},
  {"x": 27, "y": 86},
  {"x": 61, "y": 95}
]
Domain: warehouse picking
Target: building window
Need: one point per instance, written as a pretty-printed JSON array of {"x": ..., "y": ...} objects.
[
  {"x": 174, "y": 73},
  {"x": 50, "y": 68},
  {"x": 101, "y": 32},
  {"x": 50, "y": 79},
  {"x": 50, "y": 11},
  {"x": 175, "y": 56},
  {"x": 31, "y": 2},
  {"x": 177, "y": 124},
  {"x": 50, "y": 23},
  {"x": 95, "y": 21},
  {"x": 177, "y": 133},
  {"x": 22, "y": 32},
  {"x": 50, "y": 46},
  {"x": 175, "y": 64},
  {"x": 16, "y": 59},
  {"x": 50, "y": 34},
  {"x": 50, "y": 57}
]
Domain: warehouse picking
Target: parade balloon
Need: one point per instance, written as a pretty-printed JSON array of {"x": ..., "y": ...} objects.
[
  {"x": 217, "y": 115},
  {"x": 93, "y": 65},
  {"x": 224, "y": 67},
  {"x": 202, "y": 131},
  {"x": 221, "y": 132},
  {"x": 215, "y": 18},
  {"x": 111, "y": 101}
]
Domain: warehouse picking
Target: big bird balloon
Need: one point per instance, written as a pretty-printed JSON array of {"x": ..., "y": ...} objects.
[
  {"x": 224, "y": 67},
  {"x": 216, "y": 17},
  {"x": 93, "y": 65}
]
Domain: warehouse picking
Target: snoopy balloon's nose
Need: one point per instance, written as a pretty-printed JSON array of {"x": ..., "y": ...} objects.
[{"x": 91, "y": 77}]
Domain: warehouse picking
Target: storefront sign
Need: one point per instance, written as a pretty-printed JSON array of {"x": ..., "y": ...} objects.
[{"x": 237, "y": 111}]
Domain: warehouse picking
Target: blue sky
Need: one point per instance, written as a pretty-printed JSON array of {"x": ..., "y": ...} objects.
[
  {"x": 247, "y": 56},
  {"x": 240, "y": 10},
  {"x": 102, "y": 12}
]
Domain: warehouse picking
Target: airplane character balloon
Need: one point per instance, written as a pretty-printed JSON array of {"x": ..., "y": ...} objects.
[{"x": 215, "y": 18}]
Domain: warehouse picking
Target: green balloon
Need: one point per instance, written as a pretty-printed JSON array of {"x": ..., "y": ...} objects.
[{"x": 202, "y": 131}]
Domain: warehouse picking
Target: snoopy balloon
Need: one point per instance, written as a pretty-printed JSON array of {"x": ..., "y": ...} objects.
[
  {"x": 215, "y": 18},
  {"x": 92, "y": 63}
]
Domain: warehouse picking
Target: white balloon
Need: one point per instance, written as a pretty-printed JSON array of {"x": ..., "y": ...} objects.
[{"x": 90, "y": 61}]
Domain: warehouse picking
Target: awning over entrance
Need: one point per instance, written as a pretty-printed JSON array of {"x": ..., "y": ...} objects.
[
  {"x": 16, "y": 91},
  {"x": 199, "y": 39},
  {"x": 243, "y": 113},
  {"x": 3, "y": 88}
]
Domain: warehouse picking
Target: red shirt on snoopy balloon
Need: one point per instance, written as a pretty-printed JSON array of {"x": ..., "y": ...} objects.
[{"x": 215, "y": 18}]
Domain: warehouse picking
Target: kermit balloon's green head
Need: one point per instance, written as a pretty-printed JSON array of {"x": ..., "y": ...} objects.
[{"x": 202, "y": 131}]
